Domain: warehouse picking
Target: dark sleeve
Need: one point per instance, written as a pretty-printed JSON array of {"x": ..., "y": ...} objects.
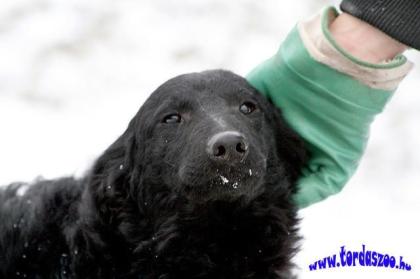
[{"x": 400, "y": 19}]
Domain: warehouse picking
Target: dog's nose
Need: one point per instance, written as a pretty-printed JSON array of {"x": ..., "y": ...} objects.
[{"x": 230, "y": 147}]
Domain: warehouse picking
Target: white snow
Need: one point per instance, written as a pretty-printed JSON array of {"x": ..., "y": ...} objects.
[
  {"x": 224, "y": 179},
  {"x": 22, "y": 190},
  {"x": 73, "y": 73}
]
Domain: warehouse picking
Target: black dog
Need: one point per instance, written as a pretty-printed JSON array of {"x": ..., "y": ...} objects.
[{"x": 198, "y": 186}]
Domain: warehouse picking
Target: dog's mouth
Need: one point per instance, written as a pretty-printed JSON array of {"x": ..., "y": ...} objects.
[
  {"x": 227, "y": 183},
  {"x": 233, "y": 178}
]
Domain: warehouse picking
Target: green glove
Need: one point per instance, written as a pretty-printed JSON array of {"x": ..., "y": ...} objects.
[{"x": 330, "y": 110}]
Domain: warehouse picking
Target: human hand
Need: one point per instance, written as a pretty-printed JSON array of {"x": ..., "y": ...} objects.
[{"x": 363, "y": 40}]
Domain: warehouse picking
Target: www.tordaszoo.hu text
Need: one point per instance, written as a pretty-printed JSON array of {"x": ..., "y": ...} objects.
[{"x": 360, "y": 258}]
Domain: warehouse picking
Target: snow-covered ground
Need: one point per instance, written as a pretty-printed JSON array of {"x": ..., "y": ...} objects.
[{"x": 72, "y": 74}]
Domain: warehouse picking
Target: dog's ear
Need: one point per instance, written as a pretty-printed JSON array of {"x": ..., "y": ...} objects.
[
  {"x": 111, "y": 175},
  {"x": 117, "y": 158},
  {"x": 290, "y": 147}
]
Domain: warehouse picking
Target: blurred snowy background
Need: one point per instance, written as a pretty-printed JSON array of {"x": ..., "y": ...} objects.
[{"x": 73, "y": 73}]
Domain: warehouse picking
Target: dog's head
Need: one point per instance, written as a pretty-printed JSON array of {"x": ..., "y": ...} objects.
[
  {"x": 206, "y": 136},
  {"x": 206, "y": 150}
]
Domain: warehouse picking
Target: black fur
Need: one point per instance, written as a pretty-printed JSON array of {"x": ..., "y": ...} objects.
[{"x": 154, "y": 206}]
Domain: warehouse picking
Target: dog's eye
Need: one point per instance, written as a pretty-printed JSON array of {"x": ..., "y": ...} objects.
[
  {"x": 247, "y": 107},
  {"x": 172, "y": 118}
]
